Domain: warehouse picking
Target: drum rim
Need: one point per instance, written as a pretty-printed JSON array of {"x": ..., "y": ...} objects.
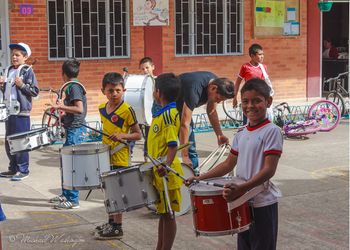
[
  {"x": 216, "y": 191},
  {"x": 84, "y": 151},
  {"x": 27, "y": 133},
  {"x": 225, "y": 232},
  {"x": 124, "y": 169}
]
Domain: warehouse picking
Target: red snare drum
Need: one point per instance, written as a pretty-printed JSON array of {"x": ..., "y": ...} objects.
[{"x": 210, "y": 212}]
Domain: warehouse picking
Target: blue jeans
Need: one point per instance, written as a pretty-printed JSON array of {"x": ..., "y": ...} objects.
[
  {"x": 192, "y": 152},
  {"x": 20, "y": 161},
  {"x": 74, "y": 136}
]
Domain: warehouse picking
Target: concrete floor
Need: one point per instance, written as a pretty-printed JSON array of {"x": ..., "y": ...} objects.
[{"x": 313, "y": 175}]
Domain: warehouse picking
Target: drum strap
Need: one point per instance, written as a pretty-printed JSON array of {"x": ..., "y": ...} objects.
[
  {"x": 117, "y": 148},
  {"x": 247, "y": 196}
]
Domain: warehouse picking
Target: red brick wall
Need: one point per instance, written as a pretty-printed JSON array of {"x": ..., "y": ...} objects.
[{"x": 285, "y": 57}]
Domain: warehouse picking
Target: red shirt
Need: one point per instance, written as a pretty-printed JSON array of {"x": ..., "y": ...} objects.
[{"x": 249, "y": 71}]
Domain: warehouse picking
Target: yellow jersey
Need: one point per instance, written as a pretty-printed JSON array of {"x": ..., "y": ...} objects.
[
  {"x": 164, "y": 132},
  {"x": 118, "y": 121}
]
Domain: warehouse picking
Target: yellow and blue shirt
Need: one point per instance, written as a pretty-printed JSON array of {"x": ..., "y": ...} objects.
[
  {"x": 118, "y": 121},
  {"x": 164, "y": 132}
]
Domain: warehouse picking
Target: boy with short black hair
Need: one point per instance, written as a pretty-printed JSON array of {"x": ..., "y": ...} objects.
[
  {"x": 163, "y": 142},
  {"x": 75, "y": 107},
  {"x": 255, "y": 151},
  {"x": 253, "y": 69},
  {"x": 120, "y": 123},
  {"x": 20, "y": 86},
  {"x": 147, "y": 66}
]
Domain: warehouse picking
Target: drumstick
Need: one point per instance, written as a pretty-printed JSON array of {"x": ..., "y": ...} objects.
[
  {"x": 183, "y": 178},
  {"x": 98, "y": 131}
]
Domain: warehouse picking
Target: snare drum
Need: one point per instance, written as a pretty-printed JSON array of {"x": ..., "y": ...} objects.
[
  {"x": 185, "y": 194},
  {"x": 128, "y": 189},
  {"x": 139, "y": 95},
  {"x": 83, "y": 164},
  {"x": 27, "y": 141},
  {"x": 210, "y": 211},
  {"x": 3, "y": 112}
]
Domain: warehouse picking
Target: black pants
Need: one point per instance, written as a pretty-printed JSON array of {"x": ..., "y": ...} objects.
[{"x": 262, "y": 235}]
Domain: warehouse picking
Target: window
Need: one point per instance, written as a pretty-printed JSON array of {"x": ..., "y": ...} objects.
[
  {"x": 88, "y": 29},
  {"x": 208, "y": 27}
]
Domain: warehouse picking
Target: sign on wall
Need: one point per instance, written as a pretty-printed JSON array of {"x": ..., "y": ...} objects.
[
  {"x": 26, "y": 9},
  {"x": 151, "y": 12}
]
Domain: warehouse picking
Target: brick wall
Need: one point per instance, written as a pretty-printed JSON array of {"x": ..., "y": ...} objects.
[{"x": 285, "y": 57}]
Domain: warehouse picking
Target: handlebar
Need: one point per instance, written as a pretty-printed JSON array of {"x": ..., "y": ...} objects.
[
  {"x": 337, "y": 77},
  {"x": 50, "y": 90}
]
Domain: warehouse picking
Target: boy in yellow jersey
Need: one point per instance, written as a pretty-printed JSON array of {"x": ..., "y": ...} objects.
[
  {"x": 163, "y": 142},
  {"x": 119, "y": 122}
]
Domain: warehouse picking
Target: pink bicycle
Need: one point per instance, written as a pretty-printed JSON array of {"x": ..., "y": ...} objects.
[{"x": 323, "y": 116}]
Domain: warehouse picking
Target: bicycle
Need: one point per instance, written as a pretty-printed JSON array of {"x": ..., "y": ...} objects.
[
  {"x": 337, "y": 94},
  {"x": 51, "y": 117},
  {"x": 281, "y": 113},
  {"x": 323, "y": 116}
]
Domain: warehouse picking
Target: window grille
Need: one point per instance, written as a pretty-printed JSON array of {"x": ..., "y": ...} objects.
[
  {"x": 88, "y": 29},
  {"x": 208, "y": 27}
]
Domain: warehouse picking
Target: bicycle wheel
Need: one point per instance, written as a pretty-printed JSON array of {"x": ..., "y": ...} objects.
[
  {"x": 235, "y": 114},
  {"x": 302, "y": 128},
  {"x": 281, "y": 114},
  {"x": 337, "y": 98},
  {"x": 326, "y": 113},
  {"x": 50, "y": 121}
]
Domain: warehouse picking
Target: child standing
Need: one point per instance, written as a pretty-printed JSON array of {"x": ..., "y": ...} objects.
[
  {"x": 147, "y": 67},
  {"x": 119, "y": 122},
  {"x": 75, "y": 108},
  {"x": 21, "y": 86},
  {"x": 255, "y": 151},
  {"x": 254, "y": 69},
  {"x": 163, "y": 141}
]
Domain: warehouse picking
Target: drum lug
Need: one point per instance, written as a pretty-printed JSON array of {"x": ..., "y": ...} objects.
[
  {"x": 194, "y": 210},
  {"x": 107, "y": 203},
  {"x": 125, "y": 200},
  {"x": 144, "y": 194},
  {"x": 141, "y": 176},
  {"x": 120, "y": 181}
]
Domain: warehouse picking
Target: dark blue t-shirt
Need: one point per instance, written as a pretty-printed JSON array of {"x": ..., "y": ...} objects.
[
  {"x": 74, "y": 92},
  {"x": 194, "y": 87}
]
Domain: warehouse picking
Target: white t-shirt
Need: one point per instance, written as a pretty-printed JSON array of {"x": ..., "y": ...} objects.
[
  {"x": 11, "y": 90},
  {"x": 251, "y": 145}
]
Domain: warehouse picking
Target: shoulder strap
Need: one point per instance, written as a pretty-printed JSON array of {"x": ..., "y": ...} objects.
[
  {"x": 67, "y": 85},
  {"x": 21, "y": 68},
  {"x": 263, "y": 71}
]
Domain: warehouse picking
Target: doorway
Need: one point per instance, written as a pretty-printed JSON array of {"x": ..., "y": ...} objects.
[
  {"x": 4, "y": 36},
  {"x": 335, "y": 44}
]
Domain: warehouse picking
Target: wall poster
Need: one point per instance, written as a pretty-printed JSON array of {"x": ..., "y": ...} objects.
[{"x": 151, "y": 12}]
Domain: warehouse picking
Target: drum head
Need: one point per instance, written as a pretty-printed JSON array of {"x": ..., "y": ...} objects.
[
  {"x": 84, "y": 149},
  {"x": 202, "y": 189},
  {"x": 139, "y": 95},
  {"x": 186, "y": 198}
]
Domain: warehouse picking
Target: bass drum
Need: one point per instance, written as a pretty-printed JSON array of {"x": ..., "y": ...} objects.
[
  {"x": 139, "y": 95},
  {"x": 185, "y": 193}
]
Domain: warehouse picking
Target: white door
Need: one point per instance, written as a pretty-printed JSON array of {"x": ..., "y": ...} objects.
[{"x": 4, "y": 37}]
